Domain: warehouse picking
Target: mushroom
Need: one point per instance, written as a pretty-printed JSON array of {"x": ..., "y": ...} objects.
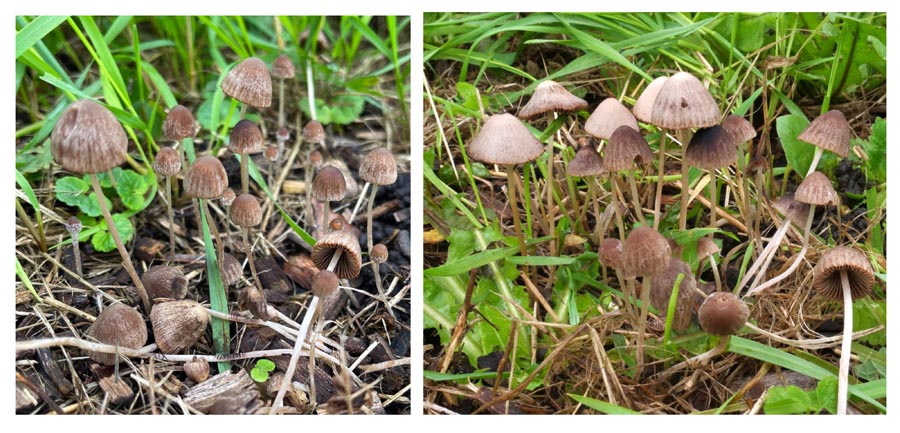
[
  {"x": 314, "y": 134},
  {"x": 197, "y": 369},
  {"x": 250, "y": 83},
  {"x": 645, "y": 253},
  {"x": 587, "y": 164},
  {"x": 180, "y": 126},
  {"x": 742, "y": 131},
  {"x": 338, "y": 252},
  {"x": 643, "y": 107},
  {"x": 283, "y": 69},
  {"x": 87, "y": 138},
  {"x": 607, "y": 117},
  {"x": 271, "y": 154},
  {"x": 245, "y": 139},
  {"x": 829, "y": 131},
  {"x": 118, "y": 325},
  {"x": 246, "y": 213},
  {"x": 625, "y": 148},
  {"x": 168, "y": 164},
  {"x": 328, "y": 186},
  {"x": 706, "y": 248},
  {"x": 710, "y": 149},
  {"x": 681, "y": 104},
  {"x": 504, "y": 140},
  {"x": 722, "y": 314},
  {"x": 207, "y": 179},
  {"x": 232, "y": 270},
  {"x": 377, "y": 168},
  {"x": 844, "y": 273},
  {"x": 165, "y": 282},
  {"x": 177, "y": 325},
  {"x": 379, "y": 254}
]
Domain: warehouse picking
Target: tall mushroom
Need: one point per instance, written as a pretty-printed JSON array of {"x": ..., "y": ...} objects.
[
  {"x": 180, "y": 126},
  {"x": 829, "y": 131},
  {"x": 205, "y": 180},
  {"x": 283, "y": 69},
  {"x": 250, "y": 83},
  {"x": 844, "y": 273},
  {"x": 168, "y": 164},
  {"x": 328, "y": 186},
  {"x": 87, "y": 138},
  {"x": 377, "y": 168},
  {"x": 119, "y": 325},
  {"x": 246, "y": 213},
  {"x": 245, "y": 139},
  {"x": 710, "y": 149},
  {"x": 587, "y": 164},
  {"x": 645, "y": 254},
  {"x": 627, "y": 147}
]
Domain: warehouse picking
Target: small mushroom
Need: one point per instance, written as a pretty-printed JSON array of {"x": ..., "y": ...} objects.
[
  {"x": 625, "y": 148},
  {"x": 118, "y": 325},
  {"x": 723, "y": 314},
  {"x": 249, "y": 82},
  {"x": 197, "y": 369},
  {"x": 587, "y": 164},
  {"x": 245, "y": 139},
  {"x": 662, "y": 288},
  {"x": 283, "y": 69},
  {"x": 168, "y": 164},
  {"x": 609, "y": 116},
  {"x": 165, "y": 282},
  {"x": 329, "y": 185},
  {"x": 338, "y": 252},
  {"x": 205, "y": 180},
  {"x": 246, "y": 213},
  {"x": 177, "y": 325},
  {"x": 830, "y": 131},
  {"x": 645, "y": 253},
  {"x": 710, "y": 149}
]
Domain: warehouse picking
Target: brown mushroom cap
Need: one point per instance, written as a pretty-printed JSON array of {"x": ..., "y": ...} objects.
[
  {"x": 611, "y": 253},
  {"x": 739, "y": 128},
  {"x": 683, "y": 102},
  {"x": 313, "y": 132},
  {"x": 167, "y": 162},
  {"x": 271, "y": 153},
  {"x": 250, "y": 83},
  {"x": 830, "y": 131},
  {"x": 758, "y": 165},
  {"x": 816, "y": 189},
  {"x": 228, "y": 197},
  {"x": 379, "y": 253},
  {"x": 245, "y": 138},
  {"x": 165, "y": 282},
  {"x": 379, "y": 167},
  {"x": 706, "y": 247},
  {"x": 206, "y": 178},
  {"x": 329, "y": 185},
  {"x": 792, "y": 209},
  {"x": 119, "y": 325},
  {"x": 283, "y": 134},
  {"x": 324, "y": 284},
  {"x": 503, "y": 139},
  {"x": 232, "y": 269},
  {"x": 607, "y": 117},
  {"x": 661, "y": 291},
  {"x": 73, "y": 225},
  {"x": 251, "y": 299},
  {"x": 350, "y": 261},
  {"x": 711, "y": 148},
  {"x": 643, "y": 107},
  {"x": 177, "y": 325},
  {"x": 245, "y": 211},
  {"x": 87, "y": 138},
  {"x": 645, "y": 252},
  {"x": 626, "y": 146},
  {"x": 283, "y": 67},
  {"x": 179, "y": 124},
  {"x": 550, "y": 96},
  {"x": 827, "y": 273},
  {"x": 586, "y": 162},
  {"x": 723, "y": 314},
  {"x": 197, "y": 369}
]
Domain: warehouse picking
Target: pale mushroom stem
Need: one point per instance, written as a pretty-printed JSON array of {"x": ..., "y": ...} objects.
[
  {"x": 642, "y": 325},
  {"x": 617, "y": 198},
  {"x": 767, "y": 251},
  {"x": 684, "y": 137},
  {"x": 661, "y": 156},
  {"x": 76, "y": 251},
  {"x": 359, "y": 201},
  {"x": 375, "y": 266},
  {"x": 815, "y": 161},
  {"x": 311, "y": 90},
  {"x": 635, "y": 199},
  {"x": 326, "y": 213},
  {"x": 592, "y": 190},
  {"x": 126, "y": 260},
  {"x": 549, "y": 183},
  {"x": 713, "y": 198},
  {"x": 754, "y": 288},
  {"x": 250, "y": 259},
  {"x": 844, "y": 366},
  {"x": 715, "y": 271},
  {"x": 171, "y": 215},
  {"x": 280, "y": 103},
  {"x": 245, "y": 175},
  {"x": 511, "y": 193}
]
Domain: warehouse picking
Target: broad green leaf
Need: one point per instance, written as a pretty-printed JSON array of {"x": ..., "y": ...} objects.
[
  {"x": 131, "y": 188},
  {"x": 799, "y": 154},
  {"x": 445, "y": 377},
  {"x": 784, "y": 400},
  {"x": 462, "y": 245},
  {"x": 540, "y": 260},
  {"x": 265, "y": 365},
  {"x": 876, "y": 150},
  {"x": 259, "y": 375},
  {"x": 826, "y": 394},
  {"x": 473, "y": 261},
  {"x": 33, "y": 160},
  {"x": 103, "y": 241},
  {"x": 868, "y": 314},
  {"x": 71, "y": 190},
  {"x": 340, "y": 110}
]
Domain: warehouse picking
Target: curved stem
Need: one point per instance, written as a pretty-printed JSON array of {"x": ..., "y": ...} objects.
[
  {"x": 844, "y": 368},
  {"x": 635, "y": 199},
  {"x": 754, "y": 288},
  {"x": 280, "y": 107},
  {"x": 250, "y": 259},
  {"x": 126, "y": 260},
  {"x": 713, "y": 198},
  {"x": 310, "y": 90},
  {"x": 767, "y": 251},
  {"x": 359, "y": 200}
]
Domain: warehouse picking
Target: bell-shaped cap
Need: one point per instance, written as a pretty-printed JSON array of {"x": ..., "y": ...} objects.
[
  {"x": 379, "y": 167},
  {"x": 88, "y": 138},
  {"x": 250, "y": 83},
  {"x": 830, "y": 131},
  {"x": 245, "y": 211},
  {"x": 167, "y": 162},
  {"x": 739, "y": 128},
  {"x": 550, "y": 96},
  {"x": 625, "y": 148},
  {"x": 711, "y": 148},
  {"x": 245, "y": 138},
  {"x": 329, "y": 185},
  {"x": 283, "y": 67},
  {"x": 586, "y": 162},
  {"x": 645, "y": 253},
  {"x": 607, "y": 117},
  {"x": 661, "y": 290},
  {"x": 206, "y": 178},
  {"x": 503, "y": 140},
  {"x": 792, "y": 209},
  {"x": 817, "y": 189},
  {"x": 827, "y": 273},
  {"x": 723, "y": 314},
  {"x": 179, "y": 124},
  {"x": 683, "y": 103},
  {"x": 643, "y": 107}
]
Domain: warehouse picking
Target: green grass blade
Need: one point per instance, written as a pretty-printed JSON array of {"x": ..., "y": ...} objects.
[
  {"x": 23, "y": 277},
  {"x": 595, "y": 45},
  {"x": 448, "y": 377},
  {"x": 218, "y": 298},
  {"x": 474, "y": 261},
  {"x": 603, "y": 406},
  {"x": 261, "y": 181},
  {"x": 35, "y": 31}
]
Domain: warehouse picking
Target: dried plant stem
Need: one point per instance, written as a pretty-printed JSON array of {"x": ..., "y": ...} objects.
[
  {"x": 359, "y": 200},
  {"x": 511, "y": 194},
  {"x": 250, "y": 259},
  {"x": 755, "y": 288},
  {"x": 126, "y": 260}
]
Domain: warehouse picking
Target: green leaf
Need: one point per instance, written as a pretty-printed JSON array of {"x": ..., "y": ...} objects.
[
  {"x": 540, "y": 260},
  {"x": 35, "y": 31},
  {"x": 259, "y": 375},
  {"x": 103, "y": 241},
  {"x": 462, "y": 245},
  {"x": 826, "y": 394},
  {"x": 603, "y": 406},
  {"x": 218, "y": 298},
  {"x": 340, "y": 110},
  {"x": 467, "y": 94},
  {"x": 868, "y": 314},
  {"x": 445, "y": 377},
  {"x": 131, "y": 187},
  {"x": 71, "y": 190},
  {"x": 265, "y": 365},
  {"x": 33, "y": 160},
  {"x": 470, "y": 262},
  {"x": 799, "y": 154},
  {"x": 784, "y": 400},
  {"x": 876, "y": 150}
]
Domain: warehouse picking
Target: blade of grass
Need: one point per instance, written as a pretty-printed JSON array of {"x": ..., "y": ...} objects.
[
  {"x": 36, "y": 205},
  {"x": 23, "y": 277},
  {"x": 35, "y": 31},
  {"x": 603, "y": 406}
]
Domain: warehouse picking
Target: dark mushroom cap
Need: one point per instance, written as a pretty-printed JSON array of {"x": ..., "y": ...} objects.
[
  {"x": 739, "y": 128},
  {"x": 119, "y": 325},
  {"x": 313, "y": 132},
  {"x": 206, "y": 178},
  {"x": 830, "y": 131},
  {"x": 758, "y": 165},
  {"x": 73, "y": 225},
  {"x": 315, "y": 159},
  {"x": 165, "y": 282},
  {"x": 643, "y": 107},
  {"x": 379, "y": 253},
  {"x": 250, "y": 83},
  {"x": 329, "y": 185},
  {"x": 167, "y": 162},
  {"x": 711, "y": 148},
  {"x": 245, "y": 211},
  {"x": 611, "y": 253},
  {"x": 792, "y": 209},
  {"x": 645, "y": 252},
  {"x": 283, "y": 67},
  {"x": 607, "y": 117},
  {"x": 179, "y": 124},
  {"x": 661, "y": 290},
  {"x": 683, "y": 102},
  {"x": 87, "y": 138},
  {"x": 816, "y": 189},
  {"x": 245, "y": 138},
  {"x": 379, "y": 167},
  {"x": 177, "y": 325},
  {"x": 550, "y": 96},
  {"x": 325, "y": 284},
  {"x": 350, "y": 261},
  {"x": 586, "y": 162},
  {"x": 723, "y": 314},
  {"x": 503, "y": 140},
  {"x": 626, "y": 146},
  {"x": 253, "y": 300},
  {"x": 232, "y": 269},
  {"x": 827, "y": 273}
]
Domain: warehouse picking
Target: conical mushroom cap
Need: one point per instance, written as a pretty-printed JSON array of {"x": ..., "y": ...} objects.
[
  {"x": 351, "y": 257},
  {"x": 607, "y": 117},
  {"x": 792, "y": 209},
  {"x": 245, "y": 138},
  {"x": 88, "y": 138},
  {"x": 706, "y": 247},
  {"x": 827, "y": 273},
  {"x": 379, "y": 167},
  {"x": 625, "y": 148},
  {"x": 723, "y": 314},
  {"x": 645, "y": 253},
  {"x": 643, "y": 107},
  {"x": 550, "y": 96},
  {"x": 165, "y": 282},
  {"x": 661, "y": 290},
  {"x": 586, "y": 162},
  {"x": 611, "y": 253},
  {"x": 739, "y": 128},
  {"x": 245, "y": 211},
  {"x": 177, "y": 325},
  {"x": 250, "y": 83},
  {"x": 816, "y": 189},
  {"x": 503, "y": 140},
  {"x": 179, "y": 124},
  {"x": 167, "y": 162},
  {"x": 119, "y": 325},
  {"x": 711, "y": 148},
  {"x": 206, "y": 178},
  {"x": 329, "y": 185},
  {"x": 313, "y": 132},
  {"x": 830, "y": 131},
  {"x": 283, "y": 67},
  {"x": 683, "y": 102}
]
